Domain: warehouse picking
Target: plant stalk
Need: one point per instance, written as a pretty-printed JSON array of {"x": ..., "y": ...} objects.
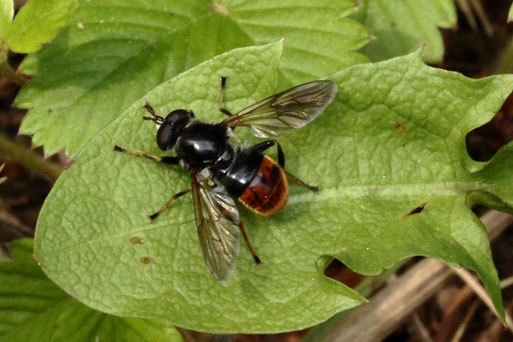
[
  {"x": 505, "y": 63},
  {"x": 6, "y": 70},
  {"x": 29, "y": 159}
]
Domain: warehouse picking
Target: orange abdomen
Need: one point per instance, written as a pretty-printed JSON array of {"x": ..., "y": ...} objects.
[{"x": 268, "y": 191}]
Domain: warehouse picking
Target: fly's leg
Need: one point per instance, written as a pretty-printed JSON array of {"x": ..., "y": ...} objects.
[
  {"x": 221, "y": 91},
  {"x": 165, "y": 160},
  {"x": 261, "y": 147},
  {"x": 168, "y": 203},
  {"x": 242, "y": 227},
  {"x": 299, "y": 182}
]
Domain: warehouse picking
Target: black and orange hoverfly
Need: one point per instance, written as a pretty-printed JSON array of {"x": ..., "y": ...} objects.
[{"x": 219, "y": 170}]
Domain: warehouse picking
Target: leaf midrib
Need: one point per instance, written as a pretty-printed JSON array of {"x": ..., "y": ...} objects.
[
  {"x": 427, "y": 189},
  {"x": 392, "y": 190},
  {"x": 144, "y": 46}
]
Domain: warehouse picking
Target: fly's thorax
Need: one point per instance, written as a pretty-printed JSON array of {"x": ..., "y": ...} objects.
[{"x": 201, "y": 144}]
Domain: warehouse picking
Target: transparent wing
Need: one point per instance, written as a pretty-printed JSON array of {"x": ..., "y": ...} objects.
[
  {"x": 285, "y": 111},
  {"x": 217, "y": 220}
]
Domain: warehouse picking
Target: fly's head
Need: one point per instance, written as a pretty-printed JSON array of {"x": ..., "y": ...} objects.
[{"x": 172, "y": 127}]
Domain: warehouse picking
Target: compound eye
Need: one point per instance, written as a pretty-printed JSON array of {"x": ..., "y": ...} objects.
[
  {"x": 164, "y": 136},
  {"x": 170, "y": 129},
  {"x": 179, "y": 115}
]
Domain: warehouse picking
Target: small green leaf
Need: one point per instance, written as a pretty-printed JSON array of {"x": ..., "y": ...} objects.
[
  {"x": 396, "y": 182},
  {"x": 402, "y": 26},
  {"x": 499, "y": 180},
  {"x": 32, "y": 308},
  {"x": 37, "y": 23},
  {"x": 112, "y": 52},
  {"x": 510, "y": 14},
  {"x": 6, "y": 14}
]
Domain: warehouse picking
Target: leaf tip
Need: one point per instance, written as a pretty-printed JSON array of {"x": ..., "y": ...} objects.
[
  {"x": 20, "y": 132},
  {"x": 357, "y": 6},
  {"x": 220, "y": 8},
  {"x": 416, "y": 55}
]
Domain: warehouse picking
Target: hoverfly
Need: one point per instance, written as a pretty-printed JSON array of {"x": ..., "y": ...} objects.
[{"x": 220, "y": 171}]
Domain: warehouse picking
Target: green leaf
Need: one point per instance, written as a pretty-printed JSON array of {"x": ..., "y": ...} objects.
[
  {"x": 38, "y": 22},
  {"x": 402, "y": 26},
  {"x": 184, "y": 291},
  {"x": 6, "y": 14},
  {"x": 510, "y": 14},
  {"x": 32, "y": 308},
  {"x": 112, "y": 53},
  {"x": 392, "y": 141}
]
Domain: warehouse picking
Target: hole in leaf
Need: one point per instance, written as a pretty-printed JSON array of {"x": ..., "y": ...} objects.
[
  {"x": 146, "y": 260},
  {"x": 479, "y": 209},
  {"x": 484, "y": 141},
  {"x": 399, "y": 127},
  {"x": 137, "y": 240},
  {"x": 336, "y": 270},
  {"x": 416, "y": 210}
]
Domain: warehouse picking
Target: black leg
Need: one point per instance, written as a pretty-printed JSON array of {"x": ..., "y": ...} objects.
[
  {"x": 298, "y": 181},
  {"x": 221, "y": 91},
  {"x": 261, "y": 147},
  {"x": 165, "y": 160},
  {"x": 167, "y": 204},
  {"x": 250, "y": 247}
]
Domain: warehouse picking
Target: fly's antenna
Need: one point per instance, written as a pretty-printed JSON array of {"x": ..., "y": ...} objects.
[{"x": 159, "y": 120}]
